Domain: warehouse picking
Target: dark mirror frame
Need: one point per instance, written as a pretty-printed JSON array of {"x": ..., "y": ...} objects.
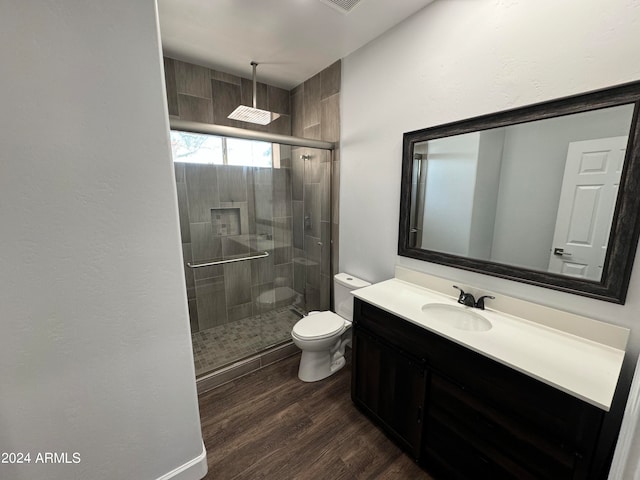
[{"x": 625, "y": 228}]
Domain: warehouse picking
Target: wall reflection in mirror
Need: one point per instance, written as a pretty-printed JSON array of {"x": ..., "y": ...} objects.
[
  {"x": 538, "y": 195},
  {"x": 547, "y": 194}
]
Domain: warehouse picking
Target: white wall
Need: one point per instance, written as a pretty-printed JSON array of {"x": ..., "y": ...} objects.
[
  {"x": 485, "y": 196},
  {"x": 434, "y": 68},
  {"x": 95, "y": 353},
  {"x": 450, "y": 185},
  {"x": 457, "y": 59}
]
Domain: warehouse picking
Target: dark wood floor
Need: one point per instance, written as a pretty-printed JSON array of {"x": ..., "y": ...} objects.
[{"x": 270, "y": 425}]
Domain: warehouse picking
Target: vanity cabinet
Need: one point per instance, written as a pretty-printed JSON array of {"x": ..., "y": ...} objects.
[
  {"x": 462, "y": 415},
  {"x": 390, "y": 387}
]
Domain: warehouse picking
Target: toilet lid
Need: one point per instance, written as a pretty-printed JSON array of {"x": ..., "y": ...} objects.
[{"x": 318, "y": 325}]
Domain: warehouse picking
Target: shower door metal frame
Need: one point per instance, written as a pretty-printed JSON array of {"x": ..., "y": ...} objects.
[{"x": 234, "y": 132}]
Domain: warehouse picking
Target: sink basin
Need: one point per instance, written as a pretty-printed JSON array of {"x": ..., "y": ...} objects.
[{"x": 460, "y": 317}]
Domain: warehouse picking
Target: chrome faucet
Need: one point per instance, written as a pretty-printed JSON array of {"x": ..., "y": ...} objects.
[{"x": 469, "y": 300}]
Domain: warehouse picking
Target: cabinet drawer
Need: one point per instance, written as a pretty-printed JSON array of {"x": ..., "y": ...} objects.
[
  {"x": 448, "y": 455},
  {"x": 404, "y": 335},
  {"x": 552, "y": 413},
  {"x": 490, "y": 431}
]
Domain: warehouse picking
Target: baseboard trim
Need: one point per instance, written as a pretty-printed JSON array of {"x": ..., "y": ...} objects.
[
  {"x": 194, "y": 469},
  {"x": 245, "y": 367}
]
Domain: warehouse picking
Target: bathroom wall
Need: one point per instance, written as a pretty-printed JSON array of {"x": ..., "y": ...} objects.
[
  {"x": 315, "y": 113},
  {"x": 457, "y": 59},
  {"x": 426, "y": 82},
  {"x": 451, "y": 169},
  {"x": 485, "y": 196},
  {"x": 95, "y": 351}
]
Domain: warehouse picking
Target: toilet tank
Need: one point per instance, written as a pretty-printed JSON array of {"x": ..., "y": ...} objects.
[{"x": 343, "y": 284}]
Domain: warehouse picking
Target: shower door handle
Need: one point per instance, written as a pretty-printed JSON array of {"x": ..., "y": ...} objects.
[{"x": 220, "y": 262}]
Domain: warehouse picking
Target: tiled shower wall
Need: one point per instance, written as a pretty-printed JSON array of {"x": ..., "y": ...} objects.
[
  {"x": 311, "y": 110},
  {"x": 315, "y": 113},
  {"x": 201, "y": 94},
  {"x": 230, "y": 212}
]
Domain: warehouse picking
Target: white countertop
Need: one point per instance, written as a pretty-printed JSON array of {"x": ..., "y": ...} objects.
[{"x": 580, "y": 367}]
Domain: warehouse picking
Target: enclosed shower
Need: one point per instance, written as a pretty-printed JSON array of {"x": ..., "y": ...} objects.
[{"x": 255, "y": 220}]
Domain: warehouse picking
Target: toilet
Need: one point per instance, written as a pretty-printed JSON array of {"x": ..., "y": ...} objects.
[
  {"x": 323, "y": 336},
  {"x": 277, "y": 297}
]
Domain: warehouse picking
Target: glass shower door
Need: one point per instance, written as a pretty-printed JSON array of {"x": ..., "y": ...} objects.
[
  {"x": 311, "y": 168},
  {"x": 301, "y": 231},
  {"x": 272, "y": 276},
  {"x": 255, "y": 223}
]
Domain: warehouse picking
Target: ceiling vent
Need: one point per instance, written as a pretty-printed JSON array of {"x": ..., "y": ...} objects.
[{"x": 344, "y": 6}]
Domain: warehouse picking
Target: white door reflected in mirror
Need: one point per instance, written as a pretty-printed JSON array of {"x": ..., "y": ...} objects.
[{"x": 587, "y": 200}]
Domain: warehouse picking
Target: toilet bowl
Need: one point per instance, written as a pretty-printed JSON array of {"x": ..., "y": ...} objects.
[
  {"x": 323, "y": 336},
  {"x": 275, "y": 298}
]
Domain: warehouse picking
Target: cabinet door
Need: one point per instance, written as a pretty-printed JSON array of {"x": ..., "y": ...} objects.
[
  {"x": 465, "y": 434},
  {"x": 390, "y": 388}
]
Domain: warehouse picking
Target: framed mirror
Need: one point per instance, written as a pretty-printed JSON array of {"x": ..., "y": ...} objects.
[{"x": 547, "y": 194}]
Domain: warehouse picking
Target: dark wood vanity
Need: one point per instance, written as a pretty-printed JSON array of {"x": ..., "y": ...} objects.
[{"x": 462, "y": 415}]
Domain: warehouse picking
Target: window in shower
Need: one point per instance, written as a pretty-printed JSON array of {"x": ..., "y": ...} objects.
[
  {"x": 248, "y": 152},
  {"x": 196, "y": 148},
  {"x": 190, "y": 147}
]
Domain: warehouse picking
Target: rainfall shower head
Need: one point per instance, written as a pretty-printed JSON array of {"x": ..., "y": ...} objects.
[{"x": 253, "y": 114}]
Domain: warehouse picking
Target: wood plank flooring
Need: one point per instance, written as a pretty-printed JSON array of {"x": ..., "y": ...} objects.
[{"x": 270, "y": 425}]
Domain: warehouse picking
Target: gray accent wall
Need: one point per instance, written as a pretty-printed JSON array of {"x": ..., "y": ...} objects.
[
  {"x": 201, "y": 94},
  {"x": 315, "y": 113},
  {"x": 220, "y": 223}
]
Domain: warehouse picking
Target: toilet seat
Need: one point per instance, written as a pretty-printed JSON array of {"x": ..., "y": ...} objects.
[{"x": 319, "y": 325}]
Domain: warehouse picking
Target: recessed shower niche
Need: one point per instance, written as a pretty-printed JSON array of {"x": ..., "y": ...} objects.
[{"x": 226, "y": 221}]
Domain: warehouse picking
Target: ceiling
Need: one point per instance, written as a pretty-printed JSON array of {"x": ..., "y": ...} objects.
[{"x": 291, "y": 39}]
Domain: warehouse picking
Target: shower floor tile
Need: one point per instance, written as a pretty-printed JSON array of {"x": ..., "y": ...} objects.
[{"x": 222, "y": 345}]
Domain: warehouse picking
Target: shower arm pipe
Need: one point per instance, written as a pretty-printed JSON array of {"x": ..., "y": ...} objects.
[
  {"x": 234, "y": 132},
  {"x": 220, "y": 262},
  {"x": 255, "y": 85}
]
